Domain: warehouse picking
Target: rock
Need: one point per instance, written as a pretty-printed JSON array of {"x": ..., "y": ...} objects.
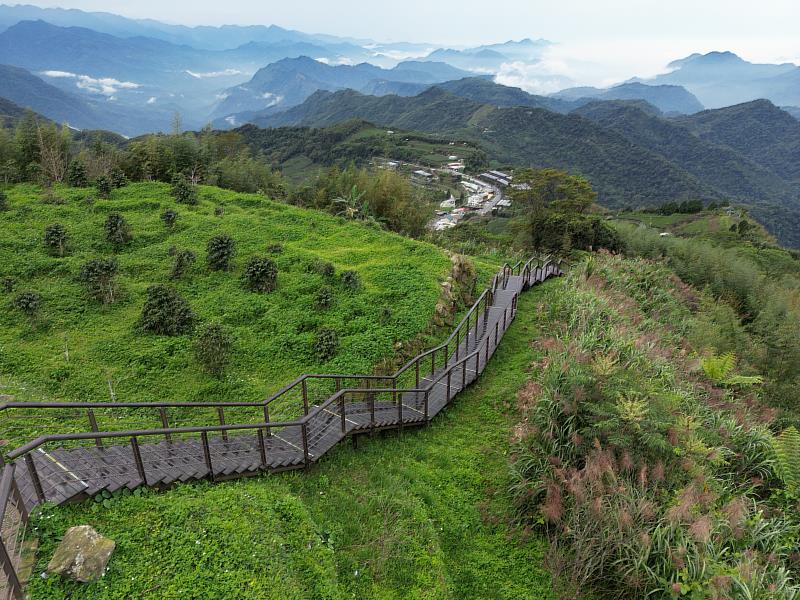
[{"x": 82, "y": 555}]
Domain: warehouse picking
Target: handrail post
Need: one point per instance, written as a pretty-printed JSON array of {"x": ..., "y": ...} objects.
[
  {"x": 505, "y": 318},
  {"x": 448, "y": 387},
  {"x": 305, "y": 396},
  {"x": 496, "y": 328},
  {"x": 306, "y": 458},
  {"x": 341, "y": 410},
  {"x": 37, "y": 483},
  {"x": 165, "y": 424},
  {"x": 433, "y": 362},
  {"x": 416, "y": 368},
  {"x": 372, "y": 414},
  {"x": 10, "y": 572},
  {"x": 262, "y": 449},
  {"x": 477, "y": 364},
  {"x": 266, "y": 419},
  {"x": 137, "y": 458},
  {"x": 463, "y": 375},
  {"x": 486, "y": 362},
  {"x": 207, "y": 455},
  {"x": 399, "y": 409},
  {"x": 221, "y": 413},
  {"x": 425, "y": 402},
  {"x": 93, "y": 425}
]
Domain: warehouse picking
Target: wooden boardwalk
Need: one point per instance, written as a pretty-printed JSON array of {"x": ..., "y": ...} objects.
[
  {"x": 61, "y": 468},
  {"x": 71, "y": 466}
]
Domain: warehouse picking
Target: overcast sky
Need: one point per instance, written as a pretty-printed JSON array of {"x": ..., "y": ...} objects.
[{"x": 624, "y": 37}]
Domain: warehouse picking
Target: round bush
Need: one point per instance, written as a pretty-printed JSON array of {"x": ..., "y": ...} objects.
[
  {"x": 98, "y": 276},
  {"x": 260, "y": 274},
  {"x": 326, "y": 345},
  {"x": 166, "y": 312},
  {"x": 118, "y": 232},
  {"x": 104, "y": 187},
  {"x": 8, "y": 284},
  {"x": 184, "y": 259},
  {"x": 221, "y": 249},
  {"x": 55, "y": 239},
  {"x": 324, "y": 298},
  {"x": 275, "y": 249},
  {"x": 183, "y": 191},
  {"x": 212, "y": 349},
  {"x": 351, "y": 280},
  {"x": 322, "y": 267},
  {"x": 28, "y": 303},
  {"x": 169, "y": 217}
]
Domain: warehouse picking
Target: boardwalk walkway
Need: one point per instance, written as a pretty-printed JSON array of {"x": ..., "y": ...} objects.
[{"x": 84, "y": 449}]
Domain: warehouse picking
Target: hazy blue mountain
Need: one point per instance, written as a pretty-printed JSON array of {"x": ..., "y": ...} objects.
[
  {"x": 721, "y": 79},
  {"x": 10, "y": 112},
  {"x": 206, "y": 37},
  {"x": 792, "y": 110},
  {"x": 667, "y": 98},
  {"x": 758, "y": 130},
  {"x": 491, "y": 57},
  {"x": 29, "y": 91},
  {"x": 383, "y": 87},
  {"x": 289, "y": 82}
]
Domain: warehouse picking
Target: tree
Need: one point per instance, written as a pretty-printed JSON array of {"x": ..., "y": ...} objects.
[
  {"x": 76, "y": 176},
  {"x": 220, "y": 250},
  {"x": 104, "y": 187},
  {"x": 28, "y": 303},
  {"x": 53, "y": 151},
  {"x": 351, "y": 206},
  {"x": 260, "y": 274},
  {"x": 165, "y": 312},
  {"x": 118, "y": 232},
  {"x": 98, "y": 276},
  {"x": 212, "y": 349},
  {"x": 169, "y": 217},
  {"x": 118, "y": 178},
  {"x": 183, "y": 191},
  {"x": 3, "y": 201},
  {"x": 55, "y": 239}
]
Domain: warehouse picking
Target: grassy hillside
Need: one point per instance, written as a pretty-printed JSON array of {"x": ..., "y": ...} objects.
[
  {"x": 422, "y": 515},
  {"x": 273, "y": 333}
]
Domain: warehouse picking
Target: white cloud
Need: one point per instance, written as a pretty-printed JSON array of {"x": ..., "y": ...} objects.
[
  {"x": 231, "y": 120},
  {"x": 342, "y": 60},
  {"x": 151, "y": 100},
  {"x": 107, "y": 86},
  {"x": 273, "y": 99},
  {"x": 225, "y": 73},
  {"x": 541, "y": 77}
]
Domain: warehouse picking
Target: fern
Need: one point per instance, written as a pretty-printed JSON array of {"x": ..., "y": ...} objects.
[
  {"x": 719, "y": 369},
  {"x": 787, "y": 458}
]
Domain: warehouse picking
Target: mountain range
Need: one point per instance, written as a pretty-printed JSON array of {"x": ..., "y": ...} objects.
[{"x": 633, "y": 154}]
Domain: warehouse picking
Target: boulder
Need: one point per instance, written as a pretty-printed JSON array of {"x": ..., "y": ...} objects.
[{"x": 82, "y": 555}]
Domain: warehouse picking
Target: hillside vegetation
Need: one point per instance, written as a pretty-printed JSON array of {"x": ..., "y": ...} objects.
[{"x": 75, "y": 347}]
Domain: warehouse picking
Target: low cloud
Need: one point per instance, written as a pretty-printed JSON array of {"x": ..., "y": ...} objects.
[
  {"x": 151, "y": 100},
  {"x": 541, "y": 77},
  {"x": 209, "y": 74},
  {"x": 107, "y": 86}
]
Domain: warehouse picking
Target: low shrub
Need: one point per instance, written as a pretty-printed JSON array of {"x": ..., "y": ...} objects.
[
  {"x": 98, "y": 277},
  {"x": 169, "y": 217},
  {"x": 260, "y": 274},
  {"x": 183, "y": 191},
  {"x": 104, "y": 187},
  {"x": 324, "y": 298},
  {"x": 28, "y": 303},
  {"x": 323, "y": 268},
  {"x": 221, "y": 249},
  {"x": 166, "y": 312},
  {"x": 55, "y": 239},
  {"x": 118, "y": 231},
  {"x": 326, "y": 344},
  {"x": 351, "y": 280},
  {"x": 184, "y": 259},
  {"x": 212, "y": 349},
  {"x": 76, "y": 176}
]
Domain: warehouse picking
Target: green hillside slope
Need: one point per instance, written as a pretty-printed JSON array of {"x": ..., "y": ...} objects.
[{"x": 273, "y": 333}]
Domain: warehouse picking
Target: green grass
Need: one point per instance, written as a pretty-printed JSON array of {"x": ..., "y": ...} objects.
[
  {"x": 424, "y": 514},
  {"x": 274, "y": 333}
]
